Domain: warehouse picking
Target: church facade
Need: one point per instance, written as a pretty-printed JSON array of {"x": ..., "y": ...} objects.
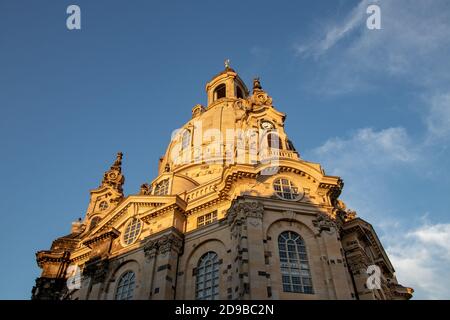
[{"x": 234, "y": 213}]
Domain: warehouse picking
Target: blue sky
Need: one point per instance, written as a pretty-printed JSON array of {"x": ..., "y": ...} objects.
[{"x": 371, "y": 105}]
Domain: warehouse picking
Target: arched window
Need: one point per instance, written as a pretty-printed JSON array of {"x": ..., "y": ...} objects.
[
  {"x": 220, "y": 91},
  {"x": 286, "y": 189},
  {"x": 274, "y": 141},
  {"x": 294, "y": 264},
  {"x": 185, "y": 140},
  {"x": 290, "y": 145},
  {"x": 207, "y": 277},
  {"x": 162, "y": 188},
  {"x": 126, "y": 285},
  {"x": 94, "y": 222},
  {"x": 239, "y": 93}
]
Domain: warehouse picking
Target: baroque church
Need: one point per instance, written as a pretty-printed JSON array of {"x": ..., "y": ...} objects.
[{"x": 235, "y": 213}]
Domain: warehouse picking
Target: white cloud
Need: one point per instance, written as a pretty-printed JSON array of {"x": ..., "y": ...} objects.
[
  {"x": 438, "y": 118},
  {"x": 366, "y": 159},
  {"x": 421, "y": 258},
  {"x": 367, "y": 148},
  {"x": 412, "y": 49},
  {"x": 413, "y": 46},
  {"x": 335, "y": 33}
]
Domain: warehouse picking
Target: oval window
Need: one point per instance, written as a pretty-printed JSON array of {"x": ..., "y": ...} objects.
[{"x": 132, "y": 231}]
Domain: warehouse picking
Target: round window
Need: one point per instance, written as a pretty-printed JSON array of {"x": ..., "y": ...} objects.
[
  {"x": 132, "y": 231},
  {"x": 286, "y": 189},
  {"x": 103, "y": 205}
]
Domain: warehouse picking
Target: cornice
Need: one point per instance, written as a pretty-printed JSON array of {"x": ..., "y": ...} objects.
[
  {"x": 112, "y": 234},
  {"x": 365, "y": 229},
  {"x": 47, "y": 256},
  {"x": 160, "y": 211}
]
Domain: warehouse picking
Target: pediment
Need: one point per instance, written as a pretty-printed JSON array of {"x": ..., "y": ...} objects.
[
  {"x": 103, "y": 200},
  {"x": 139, "y": 206}
]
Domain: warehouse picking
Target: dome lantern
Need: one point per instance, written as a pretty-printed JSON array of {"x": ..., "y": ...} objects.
[{"x": 226, "y": 85}]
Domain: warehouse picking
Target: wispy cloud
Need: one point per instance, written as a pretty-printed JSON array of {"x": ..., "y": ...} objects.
[
  {"x": 438, "y": 117},
  {"x": 413, "y": 45},
  {"x": 373, "y": 147},
  {"x": 421, "y": 257},
  {"x": 412, "y": 48},
  {"x": 366, "y": 159},
  {"x": 335, "y": 33}
]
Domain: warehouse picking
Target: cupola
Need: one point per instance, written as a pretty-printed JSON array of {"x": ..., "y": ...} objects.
[{"x": 226, "y": 85}]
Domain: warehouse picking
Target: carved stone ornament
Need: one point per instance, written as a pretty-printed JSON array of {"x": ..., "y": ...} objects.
[
  {"x": 256, "y": 84},
  {"x": 254, "y": 222},
  {"x": 163, "y": 245},
  {"x": 48, "y": 288},
  {"x": 197, "y": 110},
  {"x": 342, "y": 213},
  {"x": 169, "y": 242},
  {"x": 259, "y": 97},
  {"x": 151, "y": 249},
  {"x": 350, "y": 215},
  {"x": 242, "y": 210},
  {"x": 96, "y": 270},
  {"x": 145, "y": 189},
  {"x": 341, "y": 205},
  {"x": 324, "y": 223},
  {"x": 113, "y": 177}
]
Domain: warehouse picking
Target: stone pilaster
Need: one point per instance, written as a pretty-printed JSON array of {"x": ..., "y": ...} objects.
[
  {"x": 337, "y": 274},
  {"x": 93, "y": 279},
  {"x": 162, "y": 255},
  {"x": 245, "y": 218}
]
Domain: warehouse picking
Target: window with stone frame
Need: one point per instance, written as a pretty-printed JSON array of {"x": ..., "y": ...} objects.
[
  {"x": 239, "y": 92},
  {"x": 94, "y": 222},
  {"x": 185, "y": 139},
  {"x": 274, "y": 141},
  {"x": 126, "y": 286},
  {"x": 132, "y": 231},
  {"x": 295, "y": 271},
  {"x": 206, "y": 219},
  {"x": 207, "y": 277},
  {"x": 162, "y": 188},
  {"x": 220, "y": 92},
  {"x": 286, "y": 189}
]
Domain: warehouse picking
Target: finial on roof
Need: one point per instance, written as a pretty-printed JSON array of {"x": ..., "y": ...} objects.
[
  {"x": 256, "y": 84},
  {"x": 227, "y": 63},
  {"x": 118, "y": 162},
  {"x": 260, "y": 97},
  {"x": 113, "y": 177}
]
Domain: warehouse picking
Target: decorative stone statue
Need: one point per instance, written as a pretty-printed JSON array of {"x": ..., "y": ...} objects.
[
  {"x": 145, "y": 189},
  {"x": 118, "y": 162}
]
